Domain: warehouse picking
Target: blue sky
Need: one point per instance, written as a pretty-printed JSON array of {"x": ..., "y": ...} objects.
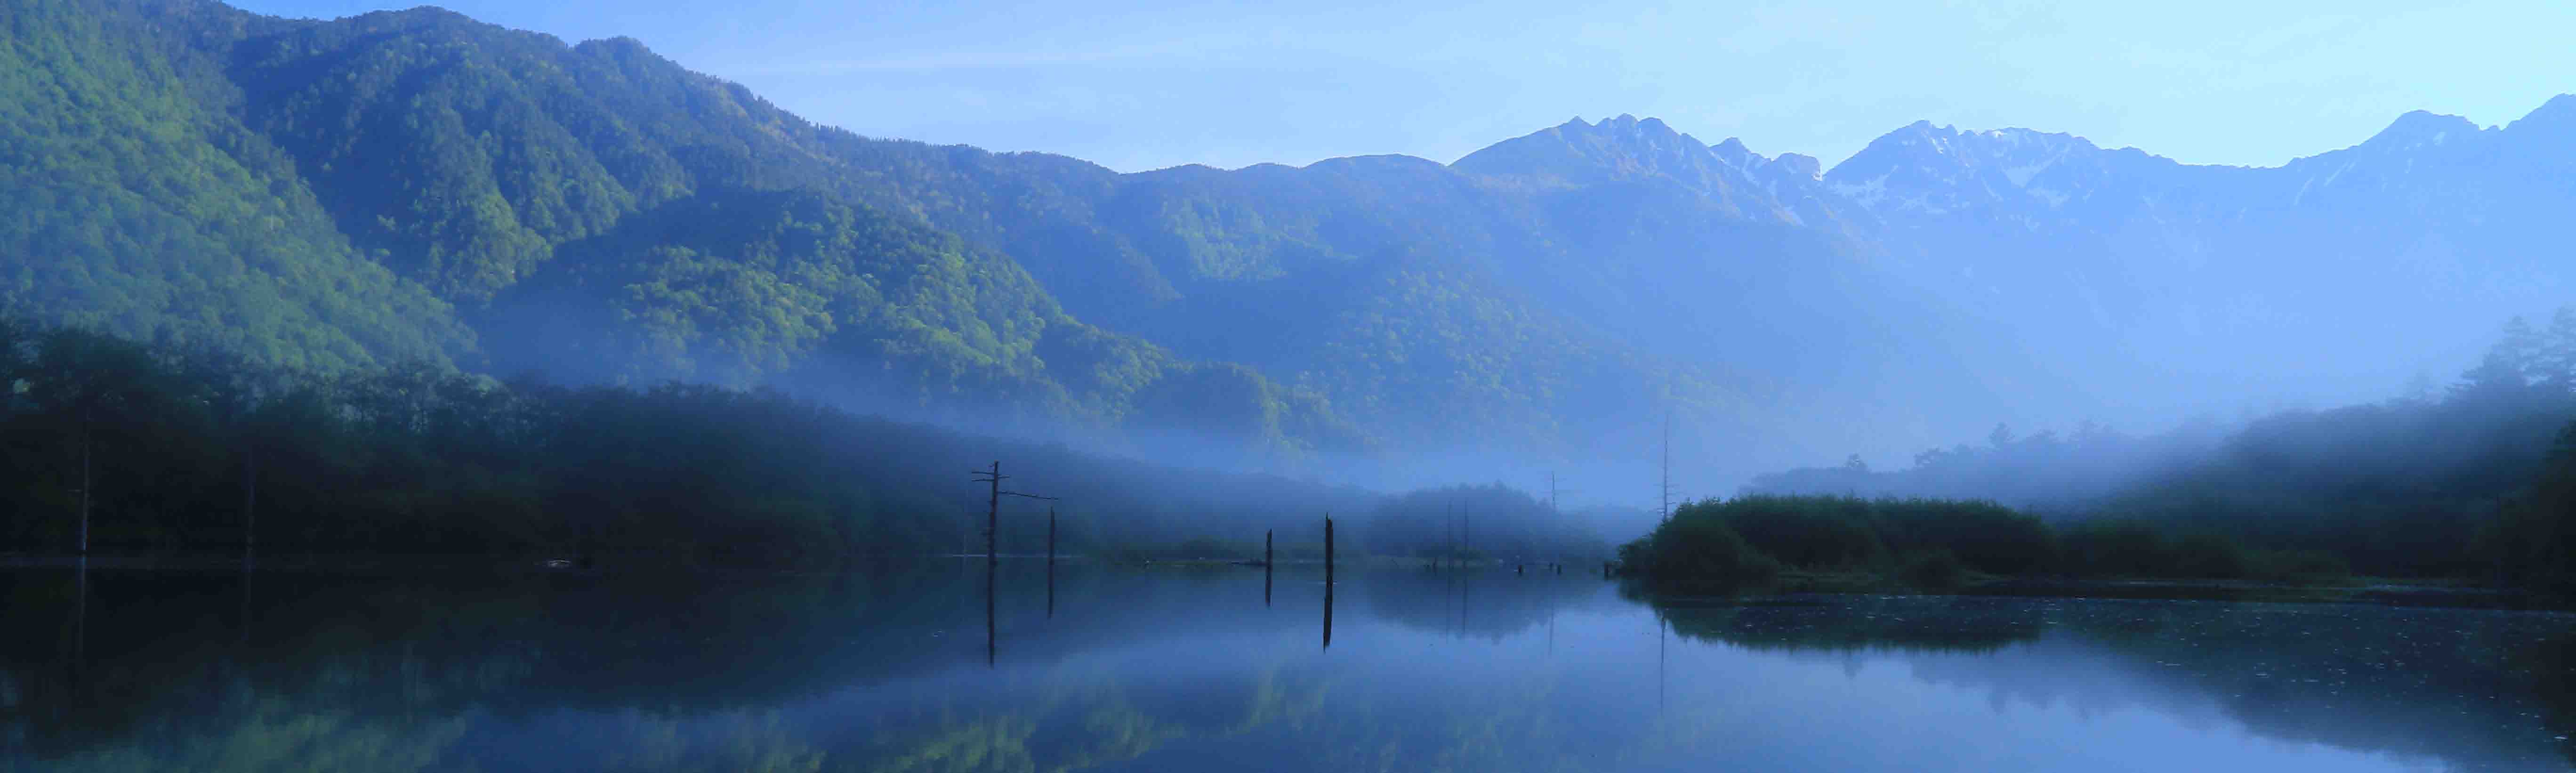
[{"x": 1146, "y": 85}]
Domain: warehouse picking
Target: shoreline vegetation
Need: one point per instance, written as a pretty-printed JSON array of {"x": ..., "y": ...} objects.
[
  {"x": 171, "y": 450},
  {"x": 110, "y": 447},
  {"x": 2434, "y": 491},
  {"x": 1776, "y": 544}
]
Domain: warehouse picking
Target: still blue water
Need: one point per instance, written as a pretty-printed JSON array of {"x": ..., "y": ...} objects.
[{"x": 898, "y": 669}]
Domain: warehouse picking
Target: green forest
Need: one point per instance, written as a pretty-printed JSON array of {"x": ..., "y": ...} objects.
[
  {"x": 420, "y": 188},
  {"x": 415, "y": 186}
]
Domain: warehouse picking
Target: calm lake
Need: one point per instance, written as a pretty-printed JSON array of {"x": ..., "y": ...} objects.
[{"x": 1191, "y": 669}]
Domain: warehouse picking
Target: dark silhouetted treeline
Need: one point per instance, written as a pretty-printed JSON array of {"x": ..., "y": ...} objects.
[
  {"x": 2429, "y": 484},
  {"x": 1716, "y": 545},
  {"x": 194, "y": 448},
  {"x": 2533, "y": 544},
  {"x": 1720, "y": 545}
]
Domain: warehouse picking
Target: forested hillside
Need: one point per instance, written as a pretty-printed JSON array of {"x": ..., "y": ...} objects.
[
  {"x": 595, "y": 213},
  {"x": 138, "y": 204},
  {"x": 418, "y": 186},
  {"x": 384, "y": 188}
]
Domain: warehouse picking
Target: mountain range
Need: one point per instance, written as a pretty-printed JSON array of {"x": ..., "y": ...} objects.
[{"x": 416, "y": 185}]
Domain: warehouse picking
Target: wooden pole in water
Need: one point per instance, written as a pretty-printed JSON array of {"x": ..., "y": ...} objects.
[
  {"x": 1667, "y": 511},
  {"x": 1328, "y": 552},
  {"x": 1268, "y": 566},
  {"x": 993, "y": 512},
  {"x": 1328, "y": 581},
  {"x": 989, "y": 590}
]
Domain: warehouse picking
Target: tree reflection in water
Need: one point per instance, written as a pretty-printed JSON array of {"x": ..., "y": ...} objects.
[{"x": 876, "y": 670}]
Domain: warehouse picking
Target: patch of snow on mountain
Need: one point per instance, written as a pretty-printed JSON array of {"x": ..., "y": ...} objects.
[{"x": 1866, "y": 194}]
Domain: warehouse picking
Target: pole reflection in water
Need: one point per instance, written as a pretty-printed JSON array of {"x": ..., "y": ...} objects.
[
  {"x": 1328, "y": 615},
  {"x": 989, "y": 648},
  {"x": 851, "y": 672},
  {"x": 1050, "y": 563},
  {"x": 80, "y": 617},
  {"x": 245, "y": 605}
]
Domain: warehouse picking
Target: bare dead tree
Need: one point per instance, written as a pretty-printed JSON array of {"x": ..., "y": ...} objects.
[
  {"x": 993, "y": 508},
  {"x": 1666, "y": 511}
]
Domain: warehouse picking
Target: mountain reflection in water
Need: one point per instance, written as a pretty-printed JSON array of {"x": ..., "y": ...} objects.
[{"x": 888, "y": 669}]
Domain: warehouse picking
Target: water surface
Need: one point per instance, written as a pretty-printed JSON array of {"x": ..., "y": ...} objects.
[{"x": 898, "y": 669}]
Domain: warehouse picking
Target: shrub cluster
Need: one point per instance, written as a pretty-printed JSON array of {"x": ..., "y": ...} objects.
[{"x": 1934, "y": 543}]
